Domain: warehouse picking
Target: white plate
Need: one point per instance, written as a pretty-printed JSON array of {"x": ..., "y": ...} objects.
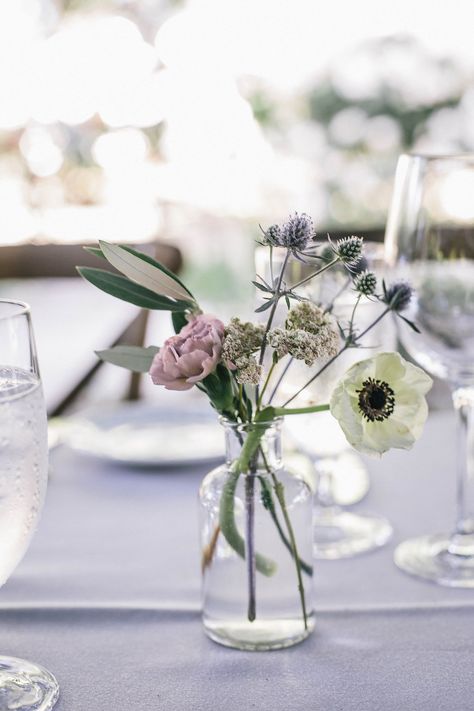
[{"x": 145, "y": 435}]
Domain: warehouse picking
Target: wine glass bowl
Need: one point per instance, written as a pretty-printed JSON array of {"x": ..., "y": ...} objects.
[
  {"x": 23, "y": 481},
  {"x": 430, "y": 244}
]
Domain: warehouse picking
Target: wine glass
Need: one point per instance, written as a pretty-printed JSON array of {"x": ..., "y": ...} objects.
[
  {"x": 430, "y": 243},
  {"x": 23, "y": 479}
]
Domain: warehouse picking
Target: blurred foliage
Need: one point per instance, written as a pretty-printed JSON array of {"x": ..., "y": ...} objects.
[
  {"x": 325, "y": 102},
  {"x": 217, "y": 281},
  {"x": 382, "y": 98},
  {"x": 263, "y": 107}
]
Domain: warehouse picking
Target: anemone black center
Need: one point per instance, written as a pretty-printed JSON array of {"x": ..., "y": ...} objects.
[{"x": 376, "y": 400}]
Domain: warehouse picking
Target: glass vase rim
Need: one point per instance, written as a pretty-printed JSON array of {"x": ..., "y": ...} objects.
[
  {"x": 23, "y": 308},
  {"x": 264, "y": 424},
  {"x": 431, "y": 157}
]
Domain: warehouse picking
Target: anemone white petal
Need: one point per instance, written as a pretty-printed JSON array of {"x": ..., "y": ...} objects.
[{"x": 399, "y": 428}]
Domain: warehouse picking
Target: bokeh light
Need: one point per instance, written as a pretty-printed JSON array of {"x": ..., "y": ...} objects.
[{"x": 116, "y": 116}]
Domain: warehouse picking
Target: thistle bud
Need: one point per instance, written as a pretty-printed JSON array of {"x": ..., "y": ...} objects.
[
  {"x": 349, "y": 250},
  {"x": 366, "y": 283}
]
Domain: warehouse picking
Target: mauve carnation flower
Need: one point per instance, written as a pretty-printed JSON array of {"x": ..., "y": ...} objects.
[{"x": 190, "y": 356}]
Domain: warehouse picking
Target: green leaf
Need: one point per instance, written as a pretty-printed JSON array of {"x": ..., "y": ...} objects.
[
  {"x": 262, "y": 287},
  {"x": 179, "y": 320},
  {"x": 96, "y": 251},
  {"x": 158, "y": 265},
  {"x": 131, "y": 357},
  {"x": 410, "y": 323},
  {"x": 218, "y": 387},
  {"x": 265, "y": 306},
  {"x": 122, "y": 288},
  {"x": 145, "y": 271}
]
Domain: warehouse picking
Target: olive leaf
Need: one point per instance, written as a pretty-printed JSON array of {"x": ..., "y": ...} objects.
[
  {"x": 131, "y": 357},
  {"x": 146, "y": 273},
  {"x": 122, "y": 288}
]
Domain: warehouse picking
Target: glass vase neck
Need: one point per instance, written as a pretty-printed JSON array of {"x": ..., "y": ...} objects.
[{"x": 261, "y": 440}]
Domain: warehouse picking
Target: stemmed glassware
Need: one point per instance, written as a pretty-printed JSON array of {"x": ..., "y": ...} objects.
[
  {"x": 23, "y": 478},
  {"x": 430, "y": 243}
]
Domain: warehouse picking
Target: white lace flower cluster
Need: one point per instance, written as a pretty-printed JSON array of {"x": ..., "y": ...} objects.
[
  {"x": 309, "y": 334},
  {"x": 242, "y": 339}
]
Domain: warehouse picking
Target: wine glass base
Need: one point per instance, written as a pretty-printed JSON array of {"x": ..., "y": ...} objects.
[
  {"x": 431, "y": 558},
  {"x": 25, "y": 686},
  {"x": 342, "y": 534},
  {"x": 347, "y": 477}
]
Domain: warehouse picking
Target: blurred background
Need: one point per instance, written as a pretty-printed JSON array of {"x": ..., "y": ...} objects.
[{"x": 190, "y": 122}]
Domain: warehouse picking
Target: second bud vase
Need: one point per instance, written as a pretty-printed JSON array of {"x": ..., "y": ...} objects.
[{"x": 256, "y": 542}]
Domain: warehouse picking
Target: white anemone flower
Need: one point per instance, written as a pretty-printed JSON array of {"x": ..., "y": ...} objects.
[{"x": 380, "y": 403}]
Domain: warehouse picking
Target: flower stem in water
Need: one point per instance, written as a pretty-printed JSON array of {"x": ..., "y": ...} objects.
[
  {"x": 209, "y": 550},
  {"x": 250, "y": 543},
  {"x": 269, "y": 504},
  {"x": 280, "y": 493},
  {"x": 226, "y": 511}
]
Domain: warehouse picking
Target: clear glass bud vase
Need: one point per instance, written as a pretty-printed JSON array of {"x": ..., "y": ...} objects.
[{"x": 256, "y": 544}]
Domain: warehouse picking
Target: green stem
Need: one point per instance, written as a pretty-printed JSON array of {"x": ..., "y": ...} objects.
[
  {"x": 242, "y": 412},
  {"x": 329, "y": 307},
  {"x": 280, "y": 379},
  {"x": 273, "y": 309},
  {"x": 315, "y": 274},
  {"x": 351, "y": 323},
  {"x": 250, "y": 542},
  {"x": 379, "y": 318},
  {"x": 270, "y": 506},
  {"x": 280, "y": 493},
  {"x": 316, "y": 375},
  {"x": 226, "y": 511},
  {"x": 291, "y": 544},
  {"x": 265, "y": 385},
  {"x": 283, "y": 411}
]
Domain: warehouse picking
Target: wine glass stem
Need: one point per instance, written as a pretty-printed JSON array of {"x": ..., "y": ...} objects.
[
  {"x": 463, "y": 537},
  {"x": 324, "y": 494}
]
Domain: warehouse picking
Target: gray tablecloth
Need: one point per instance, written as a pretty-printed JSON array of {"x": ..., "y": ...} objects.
[
  {"x": 108, "y": 599},
  {"x": 61, "y": 308}
]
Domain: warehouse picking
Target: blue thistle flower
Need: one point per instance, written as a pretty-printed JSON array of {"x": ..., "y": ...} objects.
[
  {"x": 272, "y": 236},
  {"x": 398, "y": 296},
  {"x": 296, "y": 232},
  {"x": 361, "y": 266}
]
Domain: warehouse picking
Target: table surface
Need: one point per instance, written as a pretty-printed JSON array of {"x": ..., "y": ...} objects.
[
  {"x": 61, "y": 308},
  {"x": 107, "y": 598}
]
